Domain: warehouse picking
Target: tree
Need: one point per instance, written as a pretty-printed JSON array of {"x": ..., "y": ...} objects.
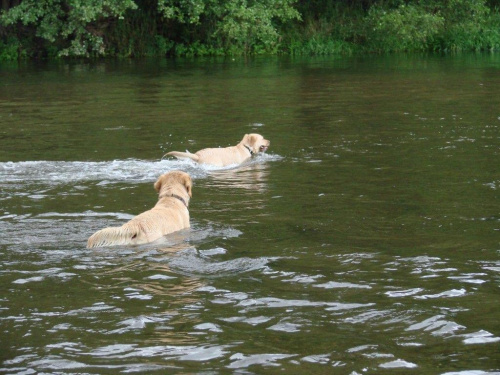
[
  {"x": 74, "y": 26},
  {"x": 78, "y": 27},
  {"x": 245, "y": 25}
]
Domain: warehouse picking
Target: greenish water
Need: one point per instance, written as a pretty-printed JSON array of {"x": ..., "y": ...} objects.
[{"x": 366, "y": 241}]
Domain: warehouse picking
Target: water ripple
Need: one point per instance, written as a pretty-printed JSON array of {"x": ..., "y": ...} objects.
[
  {"x": 445, "y": 294},
  {"x": 182, "y": 353},
  {"x": 191, "y": 263},
  {"x": 399, "y": 363},
  {"x": 239, "y": 360},
  {"x": 480, "y": 337},
  {"x": 335, "y": 285},
  {"x": 437, "y": 324}
]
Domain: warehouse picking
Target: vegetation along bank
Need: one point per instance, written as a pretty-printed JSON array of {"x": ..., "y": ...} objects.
[{"x": 34, "y": 29}]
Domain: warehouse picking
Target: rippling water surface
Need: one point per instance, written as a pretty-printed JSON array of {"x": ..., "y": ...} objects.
[{"x": 366, "y": 241}]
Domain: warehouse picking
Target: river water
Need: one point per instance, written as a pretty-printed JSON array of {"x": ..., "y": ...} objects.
[{"x": 366, "y": 240}]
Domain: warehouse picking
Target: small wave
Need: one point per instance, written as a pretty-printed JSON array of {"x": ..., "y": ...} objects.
[
  {"x": 210, "y": 327},
  {"x": 283, "y": 326},
  {"x": 438, "y": 325},
  {"x": 122, "y": 352},
  {"x": 253, "y": 321},
  {"x": 480, "y": 337},
  {"x": 335, "y": 285},
  {"x": 399, "y": 363},
  {"x": 303, "y": 279},
  {"x": 86, "y": 214},
  {"x": 191, "y": 262},
  {"x": 271, "y": 302},
  {"x": 317, "y": 358},
  {"x": 403, "y": 293},
  {"x": 50, "y": 272},
  {"x": 241, "y": 361},
  {"x": 183, "y": 353},
  {"x": 445, "y": 294}
]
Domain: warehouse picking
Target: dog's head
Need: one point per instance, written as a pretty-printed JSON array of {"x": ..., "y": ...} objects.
[
  {"x": 255, "y": 142},
  {"x": 175, "y": 182}
]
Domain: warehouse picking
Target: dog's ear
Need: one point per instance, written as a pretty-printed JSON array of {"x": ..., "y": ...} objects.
[
  {"x": 252, "y": 139},
  {"x": 158, "y": 184},
  {"x": 188, "y": 184}
]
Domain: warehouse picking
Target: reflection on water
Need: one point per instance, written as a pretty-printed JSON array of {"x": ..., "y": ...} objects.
[
  {"x": 364, "y": 242},
  {"x": 252, "y": 176}
]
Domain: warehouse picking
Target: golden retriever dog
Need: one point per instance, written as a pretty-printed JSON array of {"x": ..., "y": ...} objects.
[
  {"x": 169, "y": 215},
  {"x": 250, "y": 145}
]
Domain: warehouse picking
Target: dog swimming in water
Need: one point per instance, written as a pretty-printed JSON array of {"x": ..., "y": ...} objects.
[
  {"x": 250, "y": 145},
  {"x": 170, "y": 214}
]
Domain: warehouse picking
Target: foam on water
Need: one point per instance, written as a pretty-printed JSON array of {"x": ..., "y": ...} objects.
[
  {"x": 105, "y": 172},
  {"x": 54, "y": 173}
]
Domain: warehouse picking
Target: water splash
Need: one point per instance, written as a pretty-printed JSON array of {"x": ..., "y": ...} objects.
[
  {"x": 130, "y": 171},
  {"x": 106, "y": 172}
]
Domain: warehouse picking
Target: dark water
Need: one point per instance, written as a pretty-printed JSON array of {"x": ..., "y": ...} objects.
[{"x": 366, "y": 241}]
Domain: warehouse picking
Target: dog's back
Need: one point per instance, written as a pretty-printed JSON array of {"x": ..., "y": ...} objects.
[
  {"x": 170, "y": 214},
  {"x": 144, "y": 228}
]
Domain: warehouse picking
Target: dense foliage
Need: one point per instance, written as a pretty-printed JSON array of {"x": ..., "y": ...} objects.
[{"x": 126, "y": 28}]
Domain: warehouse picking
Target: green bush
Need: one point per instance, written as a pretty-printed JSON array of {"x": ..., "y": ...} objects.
[
  {"x": 406, "y": 28},
  {"x": 491, "y": 32},
  {"x": 9, "y": 50},
  {"x": 464, "y": 25}
]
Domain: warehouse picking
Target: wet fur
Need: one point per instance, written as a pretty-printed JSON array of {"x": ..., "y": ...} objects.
[
  {"x": 169, "y": 215},
  {"x": 222, "y": 157}
]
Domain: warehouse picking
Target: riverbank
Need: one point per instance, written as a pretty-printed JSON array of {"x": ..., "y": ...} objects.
[{"x": 141, "y": 28}]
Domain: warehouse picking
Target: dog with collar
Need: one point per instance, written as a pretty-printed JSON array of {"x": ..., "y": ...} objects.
[
  {"x": 170, "y": 214},
  {"x": 250, "y": 145}
]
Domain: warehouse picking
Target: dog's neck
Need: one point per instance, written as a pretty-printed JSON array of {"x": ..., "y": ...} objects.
[
  {"x": 249, "y": 150},
  {"x": 178, "y": 197},
  {"x": 181, "y": 199}
]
